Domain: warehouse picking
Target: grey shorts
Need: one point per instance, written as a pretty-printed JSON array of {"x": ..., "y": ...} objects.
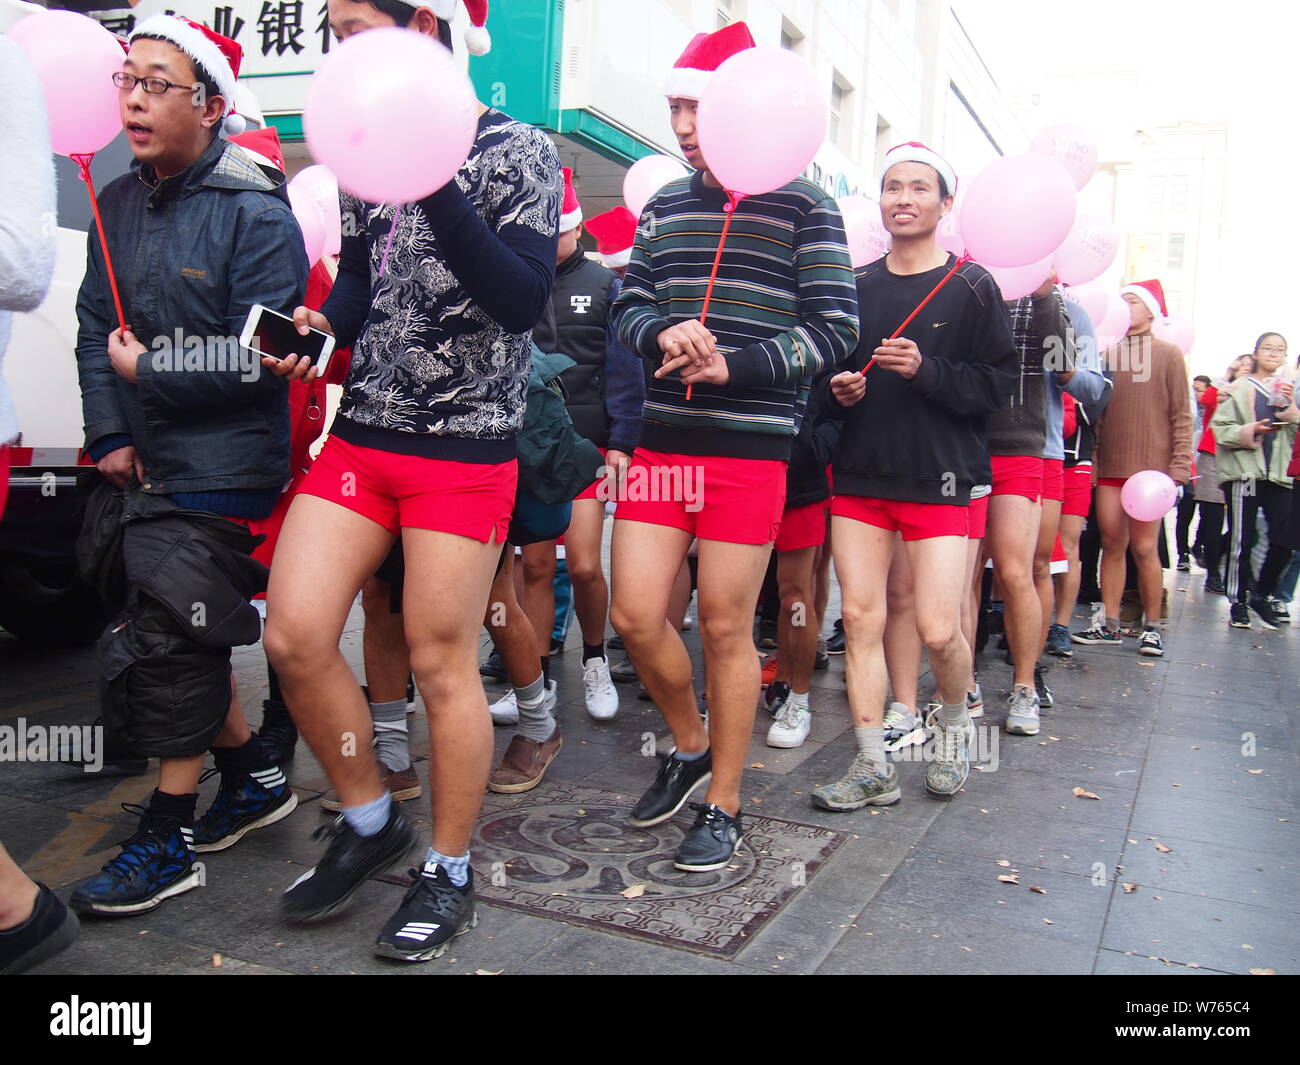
[{"x": 1206, "y": 486}]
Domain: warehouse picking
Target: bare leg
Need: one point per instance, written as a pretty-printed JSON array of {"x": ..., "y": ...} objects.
[
  {"x": 512, "y": 632},
  {"x": 385, "y": 654},
  {"x": 1143, "y": 542},
  {"x": 539, "y": 593},
  {"x": 938, "y": 564},
  {"x": 582, "y": 552},
  {"x": 1113, "y": 524},
  {"x": 902, "y": 644},
  {"x": 1012, "y": 533},
  {"x": 798, "y": 625},
  {"x": 1067, "y": 587},
  {"x": 970, "y": 610},
  {"x": 862, "y": 556},
  {"x": 17, "y": 892},
  {"x": 1047, "y": 526}
]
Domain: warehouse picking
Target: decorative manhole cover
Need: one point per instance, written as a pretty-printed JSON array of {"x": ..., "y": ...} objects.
[{"x": 567, "y": 852}]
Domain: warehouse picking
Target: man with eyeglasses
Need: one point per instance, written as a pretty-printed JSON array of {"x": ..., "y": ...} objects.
[{"x": 199, "y": 446}]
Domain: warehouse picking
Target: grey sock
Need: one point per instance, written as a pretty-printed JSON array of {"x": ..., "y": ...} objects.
[
  {"x": 391, "y": 746},
  {"x": 1112, "y": 624},
  {"x": 536, "y": 722},
  {"x": 532, "y": 695},
  {"x": 871, "y": 744},
  {"x": 953, "y": 714}
]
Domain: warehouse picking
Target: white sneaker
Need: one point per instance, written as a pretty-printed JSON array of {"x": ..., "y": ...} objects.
[
  {"x": 902, "y": 728},
  {"x": 505, "y": 711},
  {"x": 791, "y": 727},
  {"x": 601, "y": 695}
]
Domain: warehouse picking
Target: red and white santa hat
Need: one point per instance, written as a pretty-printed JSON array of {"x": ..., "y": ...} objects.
[
  {"x": 570, "y": 209},
  {"x": 1152, "y": 294},
  {"x": 264, "y": 147},
  {"x": 615, "y": 233},
  {"x": 477, "y": 39},
  {"x": 916, "y": 152},
  {"x": 218, "y": 56},
  {"x": 705, "y": 53}
]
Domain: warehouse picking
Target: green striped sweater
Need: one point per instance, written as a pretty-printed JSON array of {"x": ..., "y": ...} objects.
[{"x": 783, "y": 307}]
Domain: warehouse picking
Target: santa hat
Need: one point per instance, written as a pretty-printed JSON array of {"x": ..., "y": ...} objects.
[
  {"x": 570, "y": 209},
  {"x": 477, "y": 39},
  {"x": 264, "y": 147},
  {"x": 217, "y": 56},
  {"x": 1152, "y": 295},
  {"x": 615, "y": 233},
  {"x": 705, "y": 53},
  {"x": 247, "y": 107},
  {"x": 916, "y": 152}
]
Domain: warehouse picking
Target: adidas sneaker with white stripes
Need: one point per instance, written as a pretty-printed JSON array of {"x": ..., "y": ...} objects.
[
  {"x": 433, "y": 911},
  {"x": 245, "y": 801}
]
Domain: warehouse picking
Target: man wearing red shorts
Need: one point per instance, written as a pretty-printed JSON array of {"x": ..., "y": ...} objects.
[
  {"x": 423, "y": 447},
  {"x": 912, "y": 449},
  {"x": 714, "y": 466}
]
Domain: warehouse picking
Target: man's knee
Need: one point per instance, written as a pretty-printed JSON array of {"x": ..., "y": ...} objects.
[
  {"x": 863, "y": 621},
  {"x": 938, "y": 633}
]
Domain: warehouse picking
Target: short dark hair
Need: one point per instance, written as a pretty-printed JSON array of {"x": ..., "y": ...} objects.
[
  {"x": 1202, "y": 377},
  {"x": 1264, "y": 336},
  {"x": 943, "y": 185},
  {"x": 402, "y": 13}
]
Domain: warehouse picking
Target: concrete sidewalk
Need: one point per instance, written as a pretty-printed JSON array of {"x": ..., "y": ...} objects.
[{"x": 1185, "y": 862}]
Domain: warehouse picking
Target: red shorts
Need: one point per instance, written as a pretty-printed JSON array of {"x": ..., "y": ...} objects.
[
  {"x": 803, "y": 527},
  {"x": 1053, "y": 480},
  {"x": 1112, "y": 482},
  {"x": 590, "y": 491},
  {"x": 916, "y": 521},
  {"x": 979, "y": 518},
  {"x": 732, "y": 501},
  {"x": 1078, "y": 490},
  {"x": 1018, "y": 475},
  {"x": 405, "y": 491}
]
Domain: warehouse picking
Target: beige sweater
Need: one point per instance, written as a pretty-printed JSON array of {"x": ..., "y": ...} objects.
[{"x": 1148, "y": 423}]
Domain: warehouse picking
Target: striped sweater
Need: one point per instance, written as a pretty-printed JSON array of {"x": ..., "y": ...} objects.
[{"x": 784, "y": 306}]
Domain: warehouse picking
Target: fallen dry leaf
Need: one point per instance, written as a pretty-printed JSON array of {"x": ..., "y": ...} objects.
[
  {"x": 1129, "y": 888},
  {"x": 1046, "y": 921},
  {"x": 1079, "y": 793},
  {"x": 1007, "y": 878},
  {"x": 1163, "y": 849},
  {"x": 966, "y": 949},
  {"x": 1254, "y": 772},
  {"x": 216, "y": 961},
  {"x": 1004, "y": 863},
  {"x": 1149, "y": 665},
  {"x": 757, "y": 765},
  {"x": 488, "y": 972},
  {"x": 1037, "y": 890},
  {"x": 634, "y": 892},
  {"x": 1247, "y": 946},
  {"x": 1263, "y": 972}
]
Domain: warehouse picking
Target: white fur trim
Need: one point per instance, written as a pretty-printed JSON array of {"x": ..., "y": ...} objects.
[
  {"x": 570, "y": 220},
  {"x": 233, "y": 125},
  {"x": 197, "y": 47},
  {"x": 686, "y": 82},
  {"x": 478, "y": 41},
  {"x": 1148, "y": 300},
  {"x": 617, "y": 260},
  {"x": 444, "y": 9},
  {"x": 906, "y": 153}
]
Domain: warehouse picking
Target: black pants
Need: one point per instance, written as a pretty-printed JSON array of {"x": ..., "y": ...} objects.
[
  {"x": 1210, "y": 534},
  {"x": 1186, "y": 511},
  {"x": 1245, "y": 500}
]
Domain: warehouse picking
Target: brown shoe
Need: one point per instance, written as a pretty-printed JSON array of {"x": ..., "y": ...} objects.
[
  {"x": 402, "y": 784},
  {"x": 525, "y": 763}
]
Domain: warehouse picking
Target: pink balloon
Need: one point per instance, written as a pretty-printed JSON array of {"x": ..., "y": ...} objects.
[
  {"x": 1018, "y": 210},
  {"x": 1018, "y": 281},
  {"x": 867, "y": 235},
  {"x": 1148, "y": 496},
  {"x": 311, "y": 220},
  {"x": 1072, "y": 146},
  {"x": 762, "y": 117},
  {"x": 392, "y": 114},
  {"x": 1179, "y": 331},
  {"x": 323, "y": 187},
  {"x": 1092, "y": 297},
  {"x": 1088, "y": 251},
  {"x": 647, "y": 176},
  {"x": 1114, "y": 324},
  {"x": 75, "y": 59}
]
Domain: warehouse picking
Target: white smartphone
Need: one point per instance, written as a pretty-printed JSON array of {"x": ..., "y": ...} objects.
[{"x": 271, "y": 333}]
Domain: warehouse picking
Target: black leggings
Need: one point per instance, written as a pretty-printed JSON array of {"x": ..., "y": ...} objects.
[
  {"x": 1186, "y": 511},
  {"x": 1245, "y": 500},
  {"x": 1210, "y": 534}
]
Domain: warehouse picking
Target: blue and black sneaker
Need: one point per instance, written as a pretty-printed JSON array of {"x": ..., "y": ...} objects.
[
  {"x": 246, "y": 800},
  {"x": 155, "y": 864}
]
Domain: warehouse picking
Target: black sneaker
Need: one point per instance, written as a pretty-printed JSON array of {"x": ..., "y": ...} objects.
[
  {"x": 1045, "y": 697},
  {"x": 156, "y": 863},
  {"x": 433, "y": 910},
  {"x": 557, "y": 647},
  {"x": 673, "y": 785},
  {"x": 494, "y": 668},
  {"x": 615, "y": 643},
  {"x": 767, "y": 635},
  {"x": 278, "y": 735},
  {"x": 1281, "y": 610},
  {"x": 350, "y": 860},
  {"x": 1184, "y": 564},
  {"x": 1214, "y": 584},
  {"x": 835, "y": 643},
  {"x": 1264, "y": 609},
  {"x": 245, "y": 801},
  {"x": 776, "y": 696},
  {"x": 711, "y": 842},
  {"x": 1097, "y": 635},
  {"x": 52, "y": 927},
  {"x": 1238, "y": 618},
  {"x": 1151, "y": 644}
]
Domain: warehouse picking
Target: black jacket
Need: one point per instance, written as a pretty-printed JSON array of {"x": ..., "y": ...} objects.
[
  {"x": 811, "y": 452},
  {"x": 180, "y": 581}
]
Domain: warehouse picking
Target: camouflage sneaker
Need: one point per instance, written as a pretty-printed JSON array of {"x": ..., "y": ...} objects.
[
  {"x": 863, "y": 785},
  {"x": 950, "y": 762}
]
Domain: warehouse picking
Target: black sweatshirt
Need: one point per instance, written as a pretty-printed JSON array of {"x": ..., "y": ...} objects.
[{"x": 925, "y": 440}]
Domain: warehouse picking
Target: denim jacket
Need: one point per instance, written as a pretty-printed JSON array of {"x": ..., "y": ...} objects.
[{"x": 192, "y": 254}]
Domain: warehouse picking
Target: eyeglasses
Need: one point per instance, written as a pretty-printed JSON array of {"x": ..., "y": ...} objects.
[
  {"x": 153, "y": 86},
  {"x": 1273, "y": 351}
]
